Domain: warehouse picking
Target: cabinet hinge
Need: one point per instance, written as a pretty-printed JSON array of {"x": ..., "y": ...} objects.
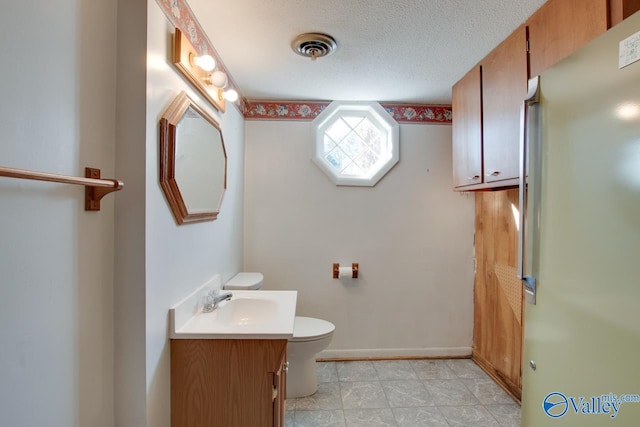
[
  {"x": 528, "y": 47},
  {"x": 274, "y": 393}
]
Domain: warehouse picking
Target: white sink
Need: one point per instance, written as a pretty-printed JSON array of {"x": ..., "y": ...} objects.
[
  {"x": 248, "y": 315},
  {"x": 246, "y": 311}
]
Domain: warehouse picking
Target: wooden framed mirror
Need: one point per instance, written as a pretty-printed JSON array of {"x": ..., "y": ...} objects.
[{"x": 193, "y": 161}]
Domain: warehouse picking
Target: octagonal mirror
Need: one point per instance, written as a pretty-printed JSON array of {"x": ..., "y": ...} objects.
[{"x": 193, "y": 161}]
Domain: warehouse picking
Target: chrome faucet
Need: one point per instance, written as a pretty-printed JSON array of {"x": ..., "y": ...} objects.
[{"x": 214, "y": 298}]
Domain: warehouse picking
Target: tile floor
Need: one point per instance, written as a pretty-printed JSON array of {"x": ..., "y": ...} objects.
[{"x": 404, "y": 393}]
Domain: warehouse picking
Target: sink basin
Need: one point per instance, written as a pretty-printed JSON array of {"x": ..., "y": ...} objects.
[
  {"x": 248, "y": 315},
  {"x": 246, "y": 311}
]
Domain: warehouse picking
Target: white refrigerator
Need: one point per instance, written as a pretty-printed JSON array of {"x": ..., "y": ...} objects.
[{"x": 581, "y": 237}]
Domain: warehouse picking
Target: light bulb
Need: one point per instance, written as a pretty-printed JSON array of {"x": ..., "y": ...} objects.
[
  {"x": 219, "y": 79},
  {"x": 206, "y": 62},
  {"x": 230, "y": 95}
]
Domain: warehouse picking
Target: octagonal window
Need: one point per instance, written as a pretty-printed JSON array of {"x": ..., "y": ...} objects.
[{"x": 356, "y": 143}]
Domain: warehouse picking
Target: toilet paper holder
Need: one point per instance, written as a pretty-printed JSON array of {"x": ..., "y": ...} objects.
[{"x": 354, "y": 270}]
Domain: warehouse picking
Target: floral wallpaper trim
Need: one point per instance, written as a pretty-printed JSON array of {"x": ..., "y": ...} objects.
[
  {"x": 181, "y": 16},
  {"x": 300, "y": 110},
  {"x": 419, "y": 113},
  {"x": 283, "y": 110}
]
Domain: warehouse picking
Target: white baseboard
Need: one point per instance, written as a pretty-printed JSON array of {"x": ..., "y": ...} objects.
[{"x": 435, "y": 352}]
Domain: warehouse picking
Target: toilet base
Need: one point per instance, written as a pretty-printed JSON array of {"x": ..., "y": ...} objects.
[{"x": 301, "y": 378}]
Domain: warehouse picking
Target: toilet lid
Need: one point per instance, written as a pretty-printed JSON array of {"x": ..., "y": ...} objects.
[
  {"x": 308, "y": 328},
  {"x": 245, "y": 281}
]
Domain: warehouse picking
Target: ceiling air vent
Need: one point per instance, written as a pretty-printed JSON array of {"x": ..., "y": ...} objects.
[{"x": 314, "y": 45}]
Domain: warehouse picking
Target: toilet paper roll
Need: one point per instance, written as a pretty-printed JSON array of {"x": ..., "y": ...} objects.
[{"x": 345, "y": 272}]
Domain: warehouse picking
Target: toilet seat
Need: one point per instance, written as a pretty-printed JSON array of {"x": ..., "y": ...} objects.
[{"x": 311, "y": 329}]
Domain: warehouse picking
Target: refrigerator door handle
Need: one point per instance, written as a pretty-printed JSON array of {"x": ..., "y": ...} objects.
[{"x": 528, "y": 281}]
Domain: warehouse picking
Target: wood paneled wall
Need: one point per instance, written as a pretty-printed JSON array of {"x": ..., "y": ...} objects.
[{"x": 497, "y": 343}]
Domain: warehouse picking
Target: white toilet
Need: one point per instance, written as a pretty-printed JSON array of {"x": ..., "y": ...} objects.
[{"x": 310, "y": 336}]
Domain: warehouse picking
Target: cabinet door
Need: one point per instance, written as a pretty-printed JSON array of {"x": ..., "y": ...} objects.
[
  {"x": 560, "y": 27},
  {"x": 226, "y": 382},
  {"x": 467, "y": 129},
  {"x": 504, "y": 87},
  {"x": 280, "y": 387}
]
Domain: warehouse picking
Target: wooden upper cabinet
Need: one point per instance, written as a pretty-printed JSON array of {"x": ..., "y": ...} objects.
[
  {"x": 622, "y": 9},
  {"x": 560, "y": 27},
  {"x": 467, "y": 129},
  {"x": 504, "y": 87},
  {"x": 487, "y": 100}
]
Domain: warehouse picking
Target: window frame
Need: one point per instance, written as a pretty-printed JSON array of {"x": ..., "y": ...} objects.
[{"x": 379, "y": 117}]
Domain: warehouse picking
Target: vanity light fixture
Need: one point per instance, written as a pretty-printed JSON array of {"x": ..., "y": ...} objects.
[{"x": 198, "y": 70}]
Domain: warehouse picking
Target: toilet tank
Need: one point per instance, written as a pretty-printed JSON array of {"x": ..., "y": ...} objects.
[{"x": 245, "y": 281}]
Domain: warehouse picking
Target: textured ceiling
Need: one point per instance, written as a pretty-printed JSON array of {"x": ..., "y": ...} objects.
[{"x": 393, "y": 51}]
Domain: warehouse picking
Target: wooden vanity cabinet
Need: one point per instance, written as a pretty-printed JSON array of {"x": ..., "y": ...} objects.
[
  {"x": 228, "y": 383},
  {"x": 280, "y": 385}
]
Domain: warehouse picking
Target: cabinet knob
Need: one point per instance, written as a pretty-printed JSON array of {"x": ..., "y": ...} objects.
[
  {"x": 474, "y": 177},
  {"x": 494, "y": 173}
]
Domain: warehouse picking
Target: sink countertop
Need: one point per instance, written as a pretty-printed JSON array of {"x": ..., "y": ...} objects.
[{"x": 255, "y": 314}]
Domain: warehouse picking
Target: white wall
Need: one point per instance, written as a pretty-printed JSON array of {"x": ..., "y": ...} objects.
[
  {"x": 181, "y": 258},
  {"x": 57, "y": 114},
  {"x": 130, "y": 230},
  {"x": 411, "y": 235},
  {"x": 158, "y": 262}
]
